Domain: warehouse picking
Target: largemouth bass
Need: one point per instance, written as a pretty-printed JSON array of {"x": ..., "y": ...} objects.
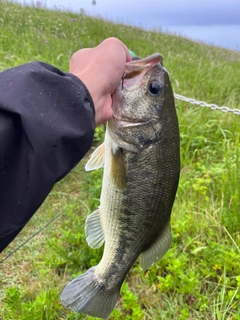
[{"x": 140, "y": 156}]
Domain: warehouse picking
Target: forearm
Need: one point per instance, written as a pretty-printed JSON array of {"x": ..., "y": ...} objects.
[{"x": 46, "y": 127}]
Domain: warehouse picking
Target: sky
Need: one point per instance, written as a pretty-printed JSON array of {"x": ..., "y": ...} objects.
[{"x": 215, "y": 22}]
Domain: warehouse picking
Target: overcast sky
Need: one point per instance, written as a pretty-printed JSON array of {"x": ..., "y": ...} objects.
[{"x": 212, "y": 21}]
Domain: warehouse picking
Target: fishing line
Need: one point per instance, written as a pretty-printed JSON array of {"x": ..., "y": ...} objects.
[
  {"x": 32, "y": 236},
  {"x": 41, "y": 229}
]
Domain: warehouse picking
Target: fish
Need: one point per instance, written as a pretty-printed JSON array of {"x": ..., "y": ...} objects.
[{"x": 141, "y": 160}]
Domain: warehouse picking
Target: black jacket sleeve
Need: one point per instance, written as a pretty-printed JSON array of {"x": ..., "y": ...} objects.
[{"x": 46, "y": 127}]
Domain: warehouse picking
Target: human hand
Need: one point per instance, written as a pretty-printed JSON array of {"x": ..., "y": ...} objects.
[{"x": 101, "y": 70}]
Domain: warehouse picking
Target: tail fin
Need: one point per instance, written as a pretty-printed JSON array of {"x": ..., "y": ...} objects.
[{"x": 85, "y": 294}]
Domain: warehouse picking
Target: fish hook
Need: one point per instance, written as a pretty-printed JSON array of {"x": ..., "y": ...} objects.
[{"x": 123, "y": 79}]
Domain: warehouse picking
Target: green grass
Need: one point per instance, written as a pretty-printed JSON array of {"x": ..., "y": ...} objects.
[{"x": 199, "y": 278}]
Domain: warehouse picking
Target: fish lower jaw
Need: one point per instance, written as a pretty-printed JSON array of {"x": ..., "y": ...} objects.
[{"x": 127, "y": 121}]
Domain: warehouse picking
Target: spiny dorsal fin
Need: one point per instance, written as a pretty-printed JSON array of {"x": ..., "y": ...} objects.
[
  {"x": 158, "y": 249},
  {"x": 93, "y": 230},
  {"x": 96, "y": 160}
]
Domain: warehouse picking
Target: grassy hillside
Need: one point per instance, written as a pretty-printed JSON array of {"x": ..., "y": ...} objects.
[{"x": 199, "y": 278}]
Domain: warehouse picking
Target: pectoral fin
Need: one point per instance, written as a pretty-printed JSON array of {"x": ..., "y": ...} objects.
[
  {"x": 93, "y": 230},
  {"x": 118, "y": 170},
  {"x": 158, "y": 249},
  {"x": 96, "y": 160}
]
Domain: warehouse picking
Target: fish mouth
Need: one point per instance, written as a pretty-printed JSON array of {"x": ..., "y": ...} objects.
[
  {"x": 136, "y": 67},
  {"x": 128, "y": 122},
  {"x": 134, "y": 73}
]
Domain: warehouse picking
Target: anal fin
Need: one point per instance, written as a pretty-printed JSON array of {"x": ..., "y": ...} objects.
[{"x": 158, "y": 249}]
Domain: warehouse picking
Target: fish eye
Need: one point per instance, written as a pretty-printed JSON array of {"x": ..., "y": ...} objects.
[{"x": 155, "y": 88}]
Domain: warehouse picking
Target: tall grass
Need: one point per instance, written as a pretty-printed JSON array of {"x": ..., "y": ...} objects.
[{"x": 199, "y": 278}]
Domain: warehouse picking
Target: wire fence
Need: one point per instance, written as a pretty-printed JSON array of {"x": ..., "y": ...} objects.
[
  {"x": 212, "y": 106},
  {"x": 205, "y": 104}
]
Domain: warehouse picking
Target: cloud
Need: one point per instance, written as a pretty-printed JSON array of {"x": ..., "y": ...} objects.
[{"x": 174, "y": 12}]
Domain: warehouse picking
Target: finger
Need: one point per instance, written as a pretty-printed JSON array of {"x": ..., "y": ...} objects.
[{"x": 112, "y": 43}]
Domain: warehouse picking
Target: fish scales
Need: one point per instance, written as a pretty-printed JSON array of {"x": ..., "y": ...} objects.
[{"x": 141, "y": 172}]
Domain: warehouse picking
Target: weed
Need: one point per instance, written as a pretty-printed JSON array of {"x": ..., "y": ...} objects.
[{"x": 199, "y": 276}]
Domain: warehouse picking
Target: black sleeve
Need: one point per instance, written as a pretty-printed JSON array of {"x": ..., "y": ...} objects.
[{"x": 46, "y": 127}]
